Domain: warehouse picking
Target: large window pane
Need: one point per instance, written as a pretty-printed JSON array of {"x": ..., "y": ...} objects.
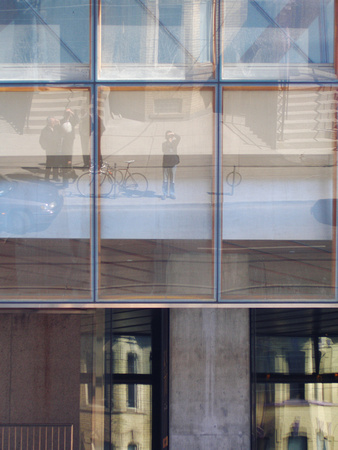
[
  {"x": 278, "y": 193},
  {"x": 44, "y": 222},
  {"x": 156, "y": 222},
  {"x": 161, "y": 39},
  {"x": 295, "y": 382},
  {"x": 44, "y": 39},
  {"x": 282, "y": 39}
]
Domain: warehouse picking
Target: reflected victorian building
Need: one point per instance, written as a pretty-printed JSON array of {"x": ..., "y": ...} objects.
[{"x": 295, "y": 371}]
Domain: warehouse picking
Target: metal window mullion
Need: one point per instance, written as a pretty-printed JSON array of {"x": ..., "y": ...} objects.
[
  {"x": 218, "y": 192},
  {"x": 95, "y": 199},
  {"x": 94, "y": 108}
]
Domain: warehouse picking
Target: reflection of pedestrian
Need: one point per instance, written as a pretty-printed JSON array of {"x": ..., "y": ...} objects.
[
  {"x": 102, "y": 129},
  {"x": 50, "y": 141},
  {"x": 68, "y": 123},
  {"x": 85, "y": 129},
  {"x": 170, "y": 161}
]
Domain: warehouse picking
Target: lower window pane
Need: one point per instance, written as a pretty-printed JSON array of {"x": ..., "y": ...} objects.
[
  {"x": 49, "y": 268},
  {"x": 275, "y": 269},
  {"x": 279, "y": 193},
  {"x": 44, "y": 222},
  {"x": 149, "y": 267},
  {"x": 156, "y": 193}
]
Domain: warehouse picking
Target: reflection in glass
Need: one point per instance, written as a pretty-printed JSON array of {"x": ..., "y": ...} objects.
[
  {"x": 278, "y": 39},
  {"x": 44, "y": 39},
  {"x": 282, "y": 418},
  {"x": 128, "y": 420},
  {"x": 128, "y": 354},
  {"x": 295, "y": 371},
  {"x": 156, "y": 221},
  {"x": 285, "y": 355},
  {"x": 161, "y": 39},
  {"x": 278, "y": 193},
  {"x": 44, "y": 250}
]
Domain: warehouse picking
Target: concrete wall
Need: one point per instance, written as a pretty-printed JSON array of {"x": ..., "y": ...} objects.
[
  {"x": 39, "y": 369},
  {"x": 209, "y": 379}
]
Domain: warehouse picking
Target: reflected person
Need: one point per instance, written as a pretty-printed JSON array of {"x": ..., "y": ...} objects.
[
  {"x": 169, "y": 164},
  {"x": 50, "y": 141},
  {"x": 85, "y": 129},
  {"x": 68, "y": 123}
]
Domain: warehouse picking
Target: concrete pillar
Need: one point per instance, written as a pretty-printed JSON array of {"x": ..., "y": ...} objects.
[{"x": 209, "y": 379}]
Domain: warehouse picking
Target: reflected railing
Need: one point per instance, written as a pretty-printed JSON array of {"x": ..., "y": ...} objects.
[{"x": 36, "y": 437}]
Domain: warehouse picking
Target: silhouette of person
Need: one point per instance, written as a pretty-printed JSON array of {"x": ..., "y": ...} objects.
[
  {"x": 85, "y": 129},
  {"x": 169, "y": 163},
  {"x": 50, "y": 141},
  {"x": 68, "y": 123}
]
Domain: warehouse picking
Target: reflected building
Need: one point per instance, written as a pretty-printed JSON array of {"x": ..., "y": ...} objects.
[{"x": 206, "y": 318}]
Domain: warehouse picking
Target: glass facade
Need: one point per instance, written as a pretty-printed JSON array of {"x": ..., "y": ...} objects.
[
  {"x": 168, "y": 150},
  {"x": 295, "y": 379}
]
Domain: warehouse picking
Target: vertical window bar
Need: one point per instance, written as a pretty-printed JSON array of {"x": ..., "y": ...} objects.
[
  {"x": 95, "y": 200},
  {"x": 218, "y": 192}
]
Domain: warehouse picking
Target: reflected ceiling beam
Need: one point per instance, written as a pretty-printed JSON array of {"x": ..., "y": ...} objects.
[
  {"x": 310, "y": 10},
  {"x": 167, "y": 31}
]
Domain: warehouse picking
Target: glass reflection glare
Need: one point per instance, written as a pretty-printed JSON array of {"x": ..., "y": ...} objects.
[
  {"x": 41, "y": 158},
  {"x": 44, "y": 40},
  {"x": 278, "y": 39},
  {"x": 156, "y": 222},
  {"x": 278, "y": 203},
  {"x": 296, "y": 388},
  {"x": 157, "y": 40}
]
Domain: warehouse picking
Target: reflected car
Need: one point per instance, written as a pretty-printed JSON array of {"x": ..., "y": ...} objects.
[
  {"x": 27, "y": 205},
  {"x": 322, "y": 210}
]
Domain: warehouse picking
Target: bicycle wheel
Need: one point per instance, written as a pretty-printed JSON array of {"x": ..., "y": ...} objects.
[
  {"x": 84, "y": 184},
  {"x": 118, "y": 176},
  {"x": 106, "y": 184},
  {"x": 136, "y": 184}
]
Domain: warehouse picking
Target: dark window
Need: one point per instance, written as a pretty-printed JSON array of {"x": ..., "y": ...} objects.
[
  {"x": 135, "y": 342},
  {"x": 132, "y": 388}
]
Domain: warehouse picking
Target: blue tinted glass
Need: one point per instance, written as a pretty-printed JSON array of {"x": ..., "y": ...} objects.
[
  {"x": 169, "y": 39},
  {"x": 42, "y": 33},
  {"x": 292, "y": 35}
]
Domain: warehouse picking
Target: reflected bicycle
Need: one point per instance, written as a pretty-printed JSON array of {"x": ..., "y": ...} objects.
[{"x": 121, "y": 180}]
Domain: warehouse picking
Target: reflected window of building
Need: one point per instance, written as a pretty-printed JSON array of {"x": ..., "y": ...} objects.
[
  {"x": 161, "y": 39},
  {"x": 44, "y": 41},
  {"x": 295, "y": 378},
  {"x": 132, "y": 388},
  {"x": 278, "y": 39},
  {"x": 297, "y": 443}
]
